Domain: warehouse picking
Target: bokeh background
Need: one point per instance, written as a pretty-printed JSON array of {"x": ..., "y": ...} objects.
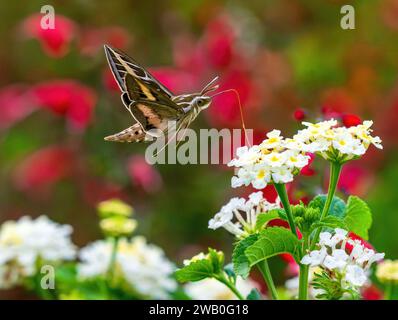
[{"x": 288, "y": 59}]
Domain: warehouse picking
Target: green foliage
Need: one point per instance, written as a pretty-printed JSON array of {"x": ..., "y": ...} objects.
[
  {"x": 331, "y": 222},
  {"x": 271, "y": 242},
  {"x": 331, "y": 286},
  {"x": 239, "y": 259},
  {"x": 200, "y": 269},
  {"x": 254, "y": 295},
  {"x": 337, "y": 208},
  {"x": 358, "y": 217},
  {"x": 355, "y": 216},
  {"x": 264, "y": 218},
  {"x": 229, "y": 270},
  {"x": 68, "y": 286}
]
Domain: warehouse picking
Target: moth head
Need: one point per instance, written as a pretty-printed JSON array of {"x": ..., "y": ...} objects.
[{"x": 202, "y": 102}]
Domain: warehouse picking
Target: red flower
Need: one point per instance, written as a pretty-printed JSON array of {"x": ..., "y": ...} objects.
[
  {"x": 307, "y": 170},
  {"x": 335, "y": 102},
  {"x": 43, "y": 168},
  {"x": 14, "y": 105},
  {"x": 144, "y": 175},
  {"x": 55, "y": 42},
  {"x": 350, "y": 120},
  {"x": 355, "y": 180},
  {"x": 68, "y": 98},
  {"x": 292, "y": 266},
  {"x": 299, "y": 114},
  {"x": 353, "y": 236},
  {"x": 225, "y": 110},
  {"x": 372, "y": 293},
  {"x": 218, "y": 42},
  {"x": 175, "y": 80}
]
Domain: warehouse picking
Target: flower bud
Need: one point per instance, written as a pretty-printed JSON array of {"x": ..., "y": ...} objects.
[
  {"x": 387, "y": 271},
  {"x": 118, "y": 226},
  {"x": 114, "y": 207}
]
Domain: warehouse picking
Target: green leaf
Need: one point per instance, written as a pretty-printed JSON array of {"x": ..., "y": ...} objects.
[
  {"x": 264, "y": 218},
  {"x": 239, "y": 259},
  {"x": 229, "y": 270},
  {"x": 271, "y": 242},
  {"x": 329, "y": 222},
  {"x": 195, "y": 271},
  {"x": 337, "y": 207},
  {"x": 358, "y": 217},
  {"x": 254, "y": 295}
]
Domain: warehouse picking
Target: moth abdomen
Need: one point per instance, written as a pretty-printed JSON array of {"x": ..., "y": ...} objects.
[{"x": 131, "y": 134}]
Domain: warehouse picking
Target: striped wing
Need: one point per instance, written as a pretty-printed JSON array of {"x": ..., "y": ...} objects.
[{"x": 150, "y": 102}]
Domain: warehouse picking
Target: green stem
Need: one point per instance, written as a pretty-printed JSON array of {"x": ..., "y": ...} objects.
[
  {"x": 281, "y": 190},
  {"x": 304, "y": 269},
  {"x": 303, "y": 282},
  {"x": 303, "y": 275},
  {"x": 266, "y": 272},
  {"x": 112, "y": 264},
  {"x": 335, "y": 170},
  {"x": 389, "y": 291},
  {"x": 223, "y": 279}
]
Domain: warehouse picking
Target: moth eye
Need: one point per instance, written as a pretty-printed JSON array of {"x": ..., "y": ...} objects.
[{"x": 200, "y": 102}]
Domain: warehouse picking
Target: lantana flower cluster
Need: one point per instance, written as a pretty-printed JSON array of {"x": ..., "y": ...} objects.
[
  {"x": 338, "y": 144},
  {"x": 26, "y": 241},
  {"x": 333, "y": 255},
  {"x": 244, "y": 211},
  {"x": 144, "y": 267},
  {"x": 275, "y": 160}
]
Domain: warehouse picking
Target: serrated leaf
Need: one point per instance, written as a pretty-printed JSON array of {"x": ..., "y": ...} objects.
[
  {"x": 239, "y": 259},
  {"x": 195, "y": 271},
  {"x": 358, "y": 217},
  {"x": 329, "y": 222},
  {"x": 337, "y": 207},
  {"x": 254, "y": 295},
  {"x": 264, "y": 218},
  {"x": 271, "y": 242}
]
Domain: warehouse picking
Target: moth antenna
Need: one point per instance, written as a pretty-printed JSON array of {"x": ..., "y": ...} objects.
[
  {"x": 209, "y": 87},
  {"x": 240, "y": 108}
]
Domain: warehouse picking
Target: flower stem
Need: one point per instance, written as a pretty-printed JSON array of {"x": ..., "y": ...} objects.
[
  {"x": 303, "y": 274},
  {"x": 335, "y": 170},
  {"x": 389, "y": 291},
  {"x": 304, "y": 269},
  {"x": 303, "y": 282},
  {"x": 281, "y": 190},
  {"x": 112, "y": 263},
  {"x": 265, "y": 271},
  {"x": 223, "y": 279}
]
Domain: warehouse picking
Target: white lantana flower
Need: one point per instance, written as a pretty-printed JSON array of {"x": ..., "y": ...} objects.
[
  {"x": 339, "y": 144},
  {"x": 275, "y": 160},
  {"x": 245, "y": 212},
  {"x": 351, "y": 267},
  {"x": 25, "y": 242},
  {"x": 211, "y": 289},
  {"x": 142, "y": 266}
]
